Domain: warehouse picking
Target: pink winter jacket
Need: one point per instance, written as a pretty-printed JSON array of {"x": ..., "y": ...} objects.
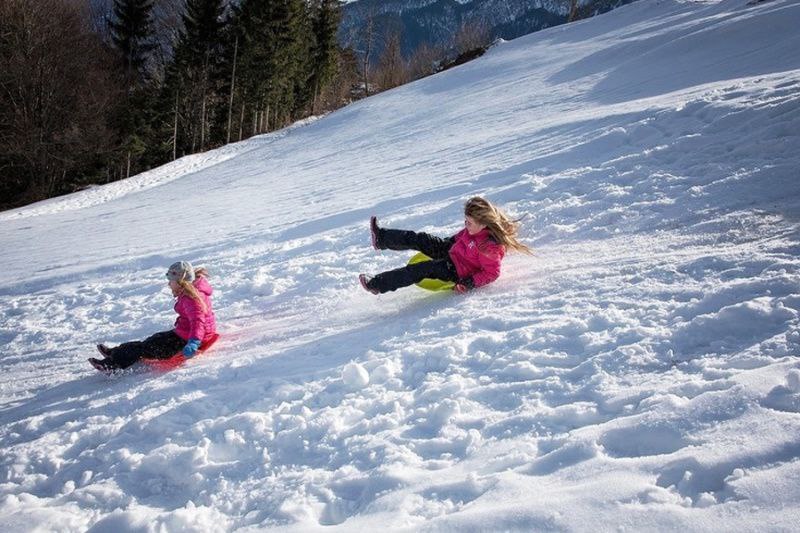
[
  {"x": 477, "y": 256},
  {"x": 192, "y": 322}
]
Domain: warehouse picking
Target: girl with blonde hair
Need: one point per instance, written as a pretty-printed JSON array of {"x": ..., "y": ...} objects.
[
  {"x": 471, "y": 258},
  {"x": 195, "y": 323}
]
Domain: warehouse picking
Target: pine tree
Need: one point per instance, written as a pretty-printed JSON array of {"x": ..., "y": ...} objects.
[
  {"x": 257, "y": 67},
  {"x": 132, "y": 35},
  {"x": 203, "y": 24},
  {"x": 192, "y": 86},
  {"x": 326, "y": 15},
  {"x": 300, "y": 46},
  {"x": 133, "y": 38},
  {"x": 275, "y": 47}
]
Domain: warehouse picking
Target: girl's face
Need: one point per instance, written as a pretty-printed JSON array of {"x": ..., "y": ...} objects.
[
  {"x": 176, "y": 289},
  {"x": 472, "y": 225}
]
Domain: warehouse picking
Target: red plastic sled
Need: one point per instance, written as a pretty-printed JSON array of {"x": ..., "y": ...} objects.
[{"x": 178, "y": 359}]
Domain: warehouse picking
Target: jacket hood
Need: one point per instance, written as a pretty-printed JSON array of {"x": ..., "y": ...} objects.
[{"x": 202, "y": 285}]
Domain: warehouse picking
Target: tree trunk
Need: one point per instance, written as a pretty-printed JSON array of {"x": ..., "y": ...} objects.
[
  {"x": 233, "y": 81},
  {"x": 203, "y": 125},
  {"x": 370, "y": 36},
  {"x": 175, "y": 130},
  {"x": 316, "y": 98},
  {"x": 573, "y": 11},
  {"x": 241, "y": 122}
]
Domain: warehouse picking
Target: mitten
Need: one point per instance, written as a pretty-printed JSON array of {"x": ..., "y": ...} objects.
[
  {"x": 464, "y": 285},
  {"x": 191, "y": 347}
]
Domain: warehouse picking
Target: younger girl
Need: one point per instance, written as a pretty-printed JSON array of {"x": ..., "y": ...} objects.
[
  {"x": 195, "y": 323},
  {"x": 471, "y": 258}
]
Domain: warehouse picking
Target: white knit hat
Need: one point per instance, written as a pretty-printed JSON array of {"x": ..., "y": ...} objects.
[{"x": 182, "y": 270}]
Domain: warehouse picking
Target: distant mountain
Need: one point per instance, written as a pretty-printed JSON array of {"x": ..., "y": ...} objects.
[{"x": 435, "y": 22}]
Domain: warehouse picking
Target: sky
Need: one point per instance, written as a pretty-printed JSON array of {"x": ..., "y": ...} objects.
[{"x": 638, "y": 372}]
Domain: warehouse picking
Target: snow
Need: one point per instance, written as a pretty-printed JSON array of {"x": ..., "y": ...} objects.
[{"x": 639, "y": 372}]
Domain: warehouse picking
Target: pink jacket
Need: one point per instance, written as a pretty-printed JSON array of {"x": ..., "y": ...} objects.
[
  {"x": 192, "y": 321},
  {"x": 477, "y": 256}
]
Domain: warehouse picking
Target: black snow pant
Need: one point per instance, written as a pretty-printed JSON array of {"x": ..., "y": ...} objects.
[
  {"x": 162, "y": 345},
  {"x": 439, "y": 267}
]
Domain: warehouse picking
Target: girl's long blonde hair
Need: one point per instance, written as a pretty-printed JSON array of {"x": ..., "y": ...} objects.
[
  {"x": 187, "y": 288},
  {"x": 503, "y": 229}
]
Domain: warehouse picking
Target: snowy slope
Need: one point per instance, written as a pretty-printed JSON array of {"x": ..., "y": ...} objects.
[{"x": 640, "y": 372}]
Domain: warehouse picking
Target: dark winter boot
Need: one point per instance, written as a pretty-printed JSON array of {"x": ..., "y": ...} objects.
[
  {"x": 104, "y": 350},
  {"x": 103, "y": 365},
  {"x": 375, "y": 233},
  {"x": 364, "y": 280}
]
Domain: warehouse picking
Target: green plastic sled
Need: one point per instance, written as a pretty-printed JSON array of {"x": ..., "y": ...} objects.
[{"x": 430, "y": 284}]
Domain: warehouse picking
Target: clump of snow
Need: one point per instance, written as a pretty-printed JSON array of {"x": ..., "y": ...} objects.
[
  {"x": 793, "y": 380},
  {"x": 355, "y": 376}
]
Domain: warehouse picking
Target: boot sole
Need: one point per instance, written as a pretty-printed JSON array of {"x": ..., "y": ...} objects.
[
  {"x": 98, "y": 365},
  {"x": 362, "y": 278}
]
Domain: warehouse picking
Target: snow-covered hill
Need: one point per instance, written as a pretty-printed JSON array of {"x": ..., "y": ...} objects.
[{"x": 640, "y": 372}]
